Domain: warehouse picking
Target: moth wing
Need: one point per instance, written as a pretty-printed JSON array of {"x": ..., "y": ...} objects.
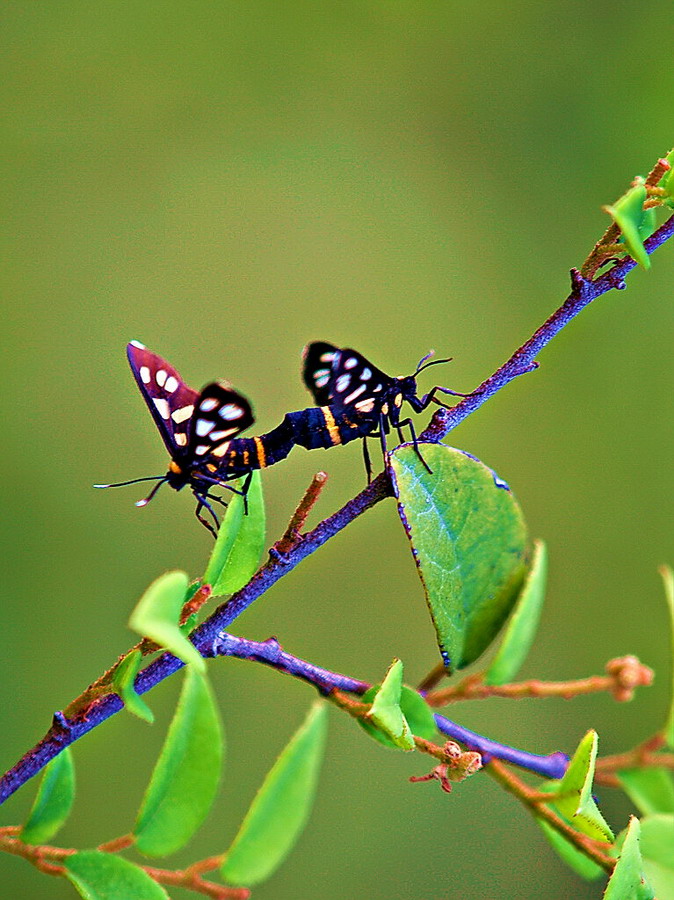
[{"x": 168, "y": 398}]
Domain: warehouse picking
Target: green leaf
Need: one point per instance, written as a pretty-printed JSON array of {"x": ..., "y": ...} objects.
[
  {"x": 123, "y": 684},
  {"x": 416, "y": 711},
  {"x": 281, "y": 807},
  {"x": 469, "y": 540},
  {"x": 657, "y": 851},
  {"x": 651, "y": 790},
  {"x": 386, "y": 712},
  {"x": 157, "y": 615},
  {"x": 185, "y": 778},
  {"x": 668, "y": 581},
  {"x": 573, "y": 797},
  {"x": 629, "y": 215},
  {"x": 627, "y": 881},
  {"x": 102, "y": 876},
  {"x": 236, "y": 560},
  {"x": 521, "y": 628},
  {"x": 580, "y": 863},
  {"x": 53, "y": 802}
]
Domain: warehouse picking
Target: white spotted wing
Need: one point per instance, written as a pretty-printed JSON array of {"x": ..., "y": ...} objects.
[
  {"x": 343, "y": 378},
  {"x": 180, "y": 412}
]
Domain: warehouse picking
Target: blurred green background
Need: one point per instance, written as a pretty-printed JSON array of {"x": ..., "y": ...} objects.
[{"x": 226, "y": 182}]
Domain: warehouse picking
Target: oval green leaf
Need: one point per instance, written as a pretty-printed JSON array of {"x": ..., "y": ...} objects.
[
  {"x": 657, "y": 852},
  {"x": 521, "y": 628},
  {"x": 629, "y": 215},
  {"x": 243, "y": 542},
  {"x": 469, "y": 542},
  {"x": 628, "y": 881},
  {"x": 417, "y": 712},
  {"x": 53, "y": 802},
  {"x": 185, "y": 778},
  {"x": 123, "y": 685},
  {"x": 651, "y": 790},
  {"x": 281, "y": 807},
  {"x": 573, "y": 797},
  {"x": 158, "y": 613},
  {"x": 102, "y": 876}
]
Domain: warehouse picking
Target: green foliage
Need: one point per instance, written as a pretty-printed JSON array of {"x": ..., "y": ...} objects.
[
  {"x": 123, "y": 683},
  {"x": 651, "y": 790},
  {"x": 469, "y": 542},
  {"x": 157, "y": 614},
  {"x": 573, "y": 797},
  {"x": 417, "y": 713},
  {"x": 657, "y": 851},
  {"x": 240, "y": 541},
  {"x": 53, "y": 802},
  {"x": 102, "y": 876},
  {"x": 386, "y": 712},
  {"x": 635, "y": 223},
  {"x": 185, "y": 778},
  {"x": 627, "y": 881},
  {"x": 521, "y": 628},
  {"x": 281, "y": 807}
]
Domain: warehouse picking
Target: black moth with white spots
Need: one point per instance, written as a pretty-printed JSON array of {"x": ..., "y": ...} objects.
[
  {"x": 344, "y": 380},
  {"x": 195, "y": 426}
]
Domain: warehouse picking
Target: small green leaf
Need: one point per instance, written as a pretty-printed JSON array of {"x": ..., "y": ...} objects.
[
  {"x": 416, "y": 711},
  {"x": 651, "y": 790},
  {"x": 54, "y": 800},
  {"x": 657, "y": 851},
  {"x": 240, "y": 559},
  {"x": 629, "y": 215},
  {"x": 102, "y": 876},
  {"x": 123, "y": 684},
  {"x": 386, "y": 713},
  {"x": 668, "y": 581},
  {"x": 281, "y": 807},
  {"x": 185, "y": 778},
  {"x": 227, "y": 535},
  {"x": 469, "y": 542},
  {"x": 627, "y": 881},
  {"x": 157, "y": 614},
  {"x": 574, "y": 798},
  {"x": 521, "y": 628}
]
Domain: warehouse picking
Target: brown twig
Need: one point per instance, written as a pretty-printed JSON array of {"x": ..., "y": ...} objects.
[
  {"x": 625, "y": 674},
  {"x": 50, "y": 860},
  {"x": 536, "y": 802},
  {"x": 644, "y": 755},
  {"x": 292, "y": 534},
  {"x": 434, "y": 677}
]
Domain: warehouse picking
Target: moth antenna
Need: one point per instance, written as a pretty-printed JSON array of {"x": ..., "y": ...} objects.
[
  {"x": 133, "y": 481},
  {"x": 154, "y": 490},
  {"x": 433, "y": 362}
]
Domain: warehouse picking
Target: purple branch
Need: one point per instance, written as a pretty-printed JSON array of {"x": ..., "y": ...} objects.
[
  {"x": 66, "y": 731},
  {"x": 271, "y": 653}
]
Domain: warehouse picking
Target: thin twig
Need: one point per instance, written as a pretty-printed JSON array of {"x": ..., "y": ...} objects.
[
  {"x": 625, "y": 675},
  {"x": 292, "y": 533},
  {"x": 51, "y": 860},
  {"x": 536, "y": 802}
]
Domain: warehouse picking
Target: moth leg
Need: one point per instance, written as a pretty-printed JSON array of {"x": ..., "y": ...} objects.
[
  {"x": 245, "y": 487},
  {"x": 366, "y": 459},
  {"x": 415, "y": 441},
  {"x": 430, "y": 397},
  {"x": 202, "y": 503}
]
